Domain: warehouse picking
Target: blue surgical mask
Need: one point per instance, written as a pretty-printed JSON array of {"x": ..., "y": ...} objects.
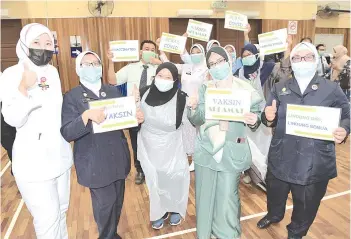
[
  {"x": 234, "y": 56},
  {"x": 91, "y": 74},
  {"x": 220, "y": 72},
  {"x": 197, "y": 58},
  {"x": 249, "y": 60},
  {"x": 186, "y": 59}
]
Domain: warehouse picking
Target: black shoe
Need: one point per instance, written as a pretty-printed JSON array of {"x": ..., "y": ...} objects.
[
  {"x": 265, "y": 222},
  {"x": 139, "y": 178}
]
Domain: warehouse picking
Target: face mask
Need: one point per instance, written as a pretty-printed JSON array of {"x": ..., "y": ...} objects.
[
  {"x": 249, "y": 60},
  {"x": 40, "y": 57},
  {"x": 304, "y": 69},
  {"x": 197, "y": 58},
  {"x": 186, "y": 59},
  {"x": 321, "y": 53},
  {"x": 163, "y": 85},
  {"x": 91, "y": 74},
  {"x": 220, "y": 72},
  {"x": 147, "y": 55},
  {"x": 234, "y": 56}
]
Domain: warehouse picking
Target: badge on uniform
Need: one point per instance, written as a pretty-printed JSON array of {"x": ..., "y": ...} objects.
[
  {"x": 314, "y": 87},
  {"x": 188, "y": 73},
  {"x": 43, "y": 84},
  {"x": 285, "y": 92},
  {"x": 103, "y": 94}
]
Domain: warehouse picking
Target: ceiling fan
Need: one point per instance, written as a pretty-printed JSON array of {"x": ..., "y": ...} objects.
[{"x": 101, "y": 8}]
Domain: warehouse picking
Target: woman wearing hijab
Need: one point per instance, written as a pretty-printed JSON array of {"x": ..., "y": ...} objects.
[
  {"x": 221, "y": 153},
  {"x": 102, "y": 160},
  {"x": 341, "y": 68},
  {"x": 212, "y": 43},
  {"x": 41, "y": 157},
  {"x": 161, "y": 148},
  {"x": 301, "y": 165},
  {"x": 192, "y": 77}
]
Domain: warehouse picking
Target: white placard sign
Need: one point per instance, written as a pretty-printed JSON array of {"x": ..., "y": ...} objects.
[
  {"x": 172, "y": 43},
  {"x": 199, "y": 30},
  {"x": 312, "y": 121},
  {"x": 235, "y": 21},
  {"x": 292, "y": 28},
  {"x": 125, "y": 50},
  {"x": 273, "y": 42},
  {"x": 226, "y": 104},
  {"x": 120, "y": 114}
]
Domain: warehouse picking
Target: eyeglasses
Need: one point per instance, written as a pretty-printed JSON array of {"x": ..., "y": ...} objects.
[
  {"x": 307, "y": 58},
  {"x": 89, "y": 64},
  {"x": 218, "y": 62}
]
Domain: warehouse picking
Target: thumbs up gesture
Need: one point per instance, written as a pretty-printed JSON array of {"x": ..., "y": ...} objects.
[
  {"x": 194, "y": 100},
  {"x": 270, "y": 111},
  {"x": 136, "y": 93},
  {"x": 29, "y": 78}
]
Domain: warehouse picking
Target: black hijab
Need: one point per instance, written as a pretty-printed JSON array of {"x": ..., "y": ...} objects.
[
  {"x": 266, "y": 68},
  {"x": 248, "y": 70},
  {"x": 156, "y": 97}
]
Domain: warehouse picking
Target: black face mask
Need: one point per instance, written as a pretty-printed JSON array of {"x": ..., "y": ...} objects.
[{"x": 40, "y": 57}]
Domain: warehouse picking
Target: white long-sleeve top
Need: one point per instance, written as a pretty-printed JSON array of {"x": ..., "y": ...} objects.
[{"x": 39, "y": 151}]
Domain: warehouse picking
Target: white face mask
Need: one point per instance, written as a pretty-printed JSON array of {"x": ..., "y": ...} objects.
[
  {"x": 163, "y": 85},
  {"x": 304, "y": 70}
]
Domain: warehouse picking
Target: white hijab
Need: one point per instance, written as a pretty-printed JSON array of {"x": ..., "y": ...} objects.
[
  {"x": 303, "y": 82},
  {"x": 210, "y": 43},
  {"x": 28, "y": 34},
  {"x": 94, "y": 87}
]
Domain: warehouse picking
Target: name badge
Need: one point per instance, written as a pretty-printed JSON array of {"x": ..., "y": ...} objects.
[{"x": 285, "y": 92}]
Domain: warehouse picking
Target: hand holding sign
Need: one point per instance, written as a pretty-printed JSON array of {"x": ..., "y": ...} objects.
[
  {"x": 194, "y": 100},
  {"x": 250, "y": 118},
  {"x": 136, "y": 93},
  {"x": 109, "y": 55},
  {"x": 339, "y": 135},
  {"x": 139, "y": 116},
  {"x": 29, "y": 78},
  {"x": 97, "y": 115},
  {"x": 270, "y": 111}
]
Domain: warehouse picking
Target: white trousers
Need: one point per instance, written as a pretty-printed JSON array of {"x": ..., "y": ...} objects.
[{"x": 48, "y": 202}]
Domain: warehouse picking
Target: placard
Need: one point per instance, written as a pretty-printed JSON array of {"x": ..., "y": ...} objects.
[
  {"x": 172, "y": 43},
  {"x": 199, "y": 30},
  {"x": 273, "y": 42},
  {"x": 125, "y": 50},
  {"x": 292, "y": 28},
  {"x": 235, "y": 21},
  {"x": 312, "y": 121},
  {"x": 120, "y": 114},
  {"x": 226, "y": 104}
]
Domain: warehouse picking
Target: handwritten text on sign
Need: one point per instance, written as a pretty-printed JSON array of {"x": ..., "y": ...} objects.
[
  {"x": 172, "y": 43},
  {"x": 224, "y": 104},
  {"x": 199, "y": 30},
  {"x": 273, "y": 42},
  {"x": 312, "y": 121},
  {"x": 235, "y": 21},
  {"x": 124, "y": 50},
  {"x": 120, "y": 114}
]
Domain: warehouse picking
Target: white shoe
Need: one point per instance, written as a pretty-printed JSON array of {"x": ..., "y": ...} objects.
[
  {"x": 192, "y": 167},
  {"x": 247, "y": 179}
]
